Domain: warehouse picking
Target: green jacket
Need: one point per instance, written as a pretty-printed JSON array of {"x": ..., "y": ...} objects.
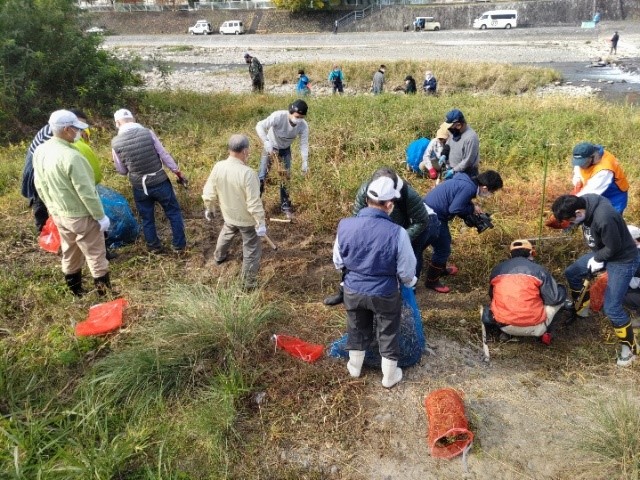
[
  {"x": 410, "y": 213},
  {"x": 65, "y": 181}
]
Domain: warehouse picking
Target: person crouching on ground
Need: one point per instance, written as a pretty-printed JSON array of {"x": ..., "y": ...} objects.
[
  {"x": 612, "y": 247},
  {"x": 374, "y": 263},
  {"x": 524, "y": 295}
]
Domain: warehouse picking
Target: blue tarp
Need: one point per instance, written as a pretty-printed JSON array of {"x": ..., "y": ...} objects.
[
  {"x": 412, "y": 341},
  {"x": 124, "y": 227}
]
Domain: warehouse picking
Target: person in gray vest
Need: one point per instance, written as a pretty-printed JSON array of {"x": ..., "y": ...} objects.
[
  {"x": 138, "y": 153},
  {"x": 377, "y": 84},
  {"x": 464, "y": 145},
  {"x": 375, "y": 265}
]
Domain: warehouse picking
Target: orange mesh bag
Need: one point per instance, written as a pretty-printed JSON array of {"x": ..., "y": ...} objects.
[
  {"x": 49, "y": 238},
  {"x": 596, "y": 292},
  {"x": 308, "y": 352},
  {"x": 103, "y": 318},
  {"x": 448, "y": 433}
]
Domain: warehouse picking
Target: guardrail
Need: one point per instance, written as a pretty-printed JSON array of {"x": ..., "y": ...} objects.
[
  {"x": 357, "y": 15},
  {"x": 130, "y": 7},
  {"x": 237, "y": 5}
]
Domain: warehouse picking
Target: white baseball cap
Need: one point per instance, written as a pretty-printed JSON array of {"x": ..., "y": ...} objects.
[
  {"x": 122, "y": 113},
  {"x": 65, "y": 118},
  {"x": 382, "y": 189}
]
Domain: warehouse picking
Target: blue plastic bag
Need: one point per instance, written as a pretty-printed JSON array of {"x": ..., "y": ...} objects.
[
  {"x": 411, "y": 337},
  {"x": 124, "y": 227},
  {"x": 415, "y": 151}
]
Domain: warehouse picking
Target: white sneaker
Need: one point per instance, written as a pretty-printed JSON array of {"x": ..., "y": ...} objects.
[{"x": 625, "y": 356}]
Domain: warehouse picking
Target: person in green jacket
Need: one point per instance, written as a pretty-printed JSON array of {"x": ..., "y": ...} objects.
[
  {"x": 409, "y": 212},
  {"x": 66, "y": 183}
]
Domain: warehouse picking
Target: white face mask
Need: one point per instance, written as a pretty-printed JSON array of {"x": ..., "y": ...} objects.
[
  {"x": 294, "y": 121},
  {"x": 579, "y": 219},
  {"x": 77, "y": 136}
]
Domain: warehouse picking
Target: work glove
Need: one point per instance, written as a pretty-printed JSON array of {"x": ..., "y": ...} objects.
[
  {"x": 261, "y": 230},
  {"x": 634, "y": 283},
  {"x": 104, "y": 223},
  {"x": 412, "y": 283},
  {"x": 449, "y": 174},
  {"x": 305, "y": 166},
  {"x": 433, "y": 174},
  {"x": 268, "y": 146},
  {"x": 593, "y": 266},
  {"x": 442, "y": 161},
  {"x": 182, "y": 180},
  {"x": 208, "y": 215}
]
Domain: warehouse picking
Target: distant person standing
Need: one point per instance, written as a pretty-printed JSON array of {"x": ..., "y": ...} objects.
[
  {"x": 430, "y": 84},
  {"x": 336, "y": 79},
  {"x": 255, "y": 72},
  {"x": 377, "y": 85},
  {"x": 596, "y": 18},
  {"x": 303, "y": 84},
  {"x": 614, "y": 44},
  {"x": 335, "y": 27}
]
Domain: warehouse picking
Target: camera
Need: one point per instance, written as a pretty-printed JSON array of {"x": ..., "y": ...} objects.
[{"x": 481, "y": 221}]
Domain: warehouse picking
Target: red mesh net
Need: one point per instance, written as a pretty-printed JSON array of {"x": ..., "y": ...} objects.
[
  {"x": 103, "y": 318},
  {"x": 596, "y": 293},
  {"x": 308, "y": 352},
  {"x": 448, "y": 433},
  {"x": 49, "y": 239}
]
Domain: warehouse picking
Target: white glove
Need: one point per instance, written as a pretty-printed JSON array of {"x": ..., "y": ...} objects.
[
  {"x": 268, "y": 146},
  {"x": 208, "y": 214},
  {"x": 261, "y": 230},
  {"x": 305, "y": 166},
  {"x": 594, "y": 266},
  {"x": 412, "y": 283},
  {"x": 104, "y": 223},
  {"x": 634, "y": 283}
]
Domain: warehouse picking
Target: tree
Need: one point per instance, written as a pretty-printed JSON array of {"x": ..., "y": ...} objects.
[
  {"x": 298, "y": 5},
  {"x": 48, "y": 63}
]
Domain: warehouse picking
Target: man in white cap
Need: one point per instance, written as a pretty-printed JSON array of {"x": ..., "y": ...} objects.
[
  {"x": 138, "y": 153},
  {"x": 375, "y": 265},
  {"x": 65, "y": 182},
  {"x": 234, "y": 186}
]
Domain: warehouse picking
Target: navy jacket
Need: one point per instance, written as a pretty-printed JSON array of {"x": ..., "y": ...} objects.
[{"x": 453, "y": 197}]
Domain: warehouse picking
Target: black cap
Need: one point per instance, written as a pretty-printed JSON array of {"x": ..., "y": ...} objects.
[{"x": 299, "y": 106}]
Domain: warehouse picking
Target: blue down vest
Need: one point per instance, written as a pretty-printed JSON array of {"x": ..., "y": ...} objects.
[
  {"x": 369, "y": 250},
  {"x": 136, "y": 151}
]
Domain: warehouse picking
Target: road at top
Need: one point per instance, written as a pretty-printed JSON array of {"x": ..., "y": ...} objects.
[{"x": 519, "y": 45}]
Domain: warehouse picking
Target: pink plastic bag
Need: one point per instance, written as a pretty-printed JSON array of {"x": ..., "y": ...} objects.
[
  {"x": 49, "y": 239},
  {"x": 103, "y": 318},
  {"x": 308, "y": 352}
]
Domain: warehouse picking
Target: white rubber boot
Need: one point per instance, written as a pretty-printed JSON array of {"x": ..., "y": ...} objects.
[
  {"x": 354, "y": 365},
  {"x": 391, "y": 374}
]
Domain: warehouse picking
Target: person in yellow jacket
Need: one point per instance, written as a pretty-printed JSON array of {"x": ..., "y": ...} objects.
[{"x": 596, "y": 170}]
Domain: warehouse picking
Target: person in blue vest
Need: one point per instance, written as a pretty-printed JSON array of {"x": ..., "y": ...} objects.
[
  {"x": 375, "y": 266},
  {"x": 302, "y": 88}
]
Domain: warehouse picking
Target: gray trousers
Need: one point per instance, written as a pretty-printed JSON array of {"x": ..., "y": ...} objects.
[
  {"x": 366, "y": 313},
  {"x": 251, "y": 249}
]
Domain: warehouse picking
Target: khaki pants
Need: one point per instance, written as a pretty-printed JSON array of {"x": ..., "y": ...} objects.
[
  {"x": 534, "y": 330},
  {"x": 82, "y": 239},
  {"x": 251, "y": 249}
]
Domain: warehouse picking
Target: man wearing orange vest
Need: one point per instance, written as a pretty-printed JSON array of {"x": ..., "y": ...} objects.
[{"x": 596, "y": 170}]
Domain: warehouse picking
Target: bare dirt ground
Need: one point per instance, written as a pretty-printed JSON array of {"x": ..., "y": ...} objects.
[{"x": 529, "y": 408}]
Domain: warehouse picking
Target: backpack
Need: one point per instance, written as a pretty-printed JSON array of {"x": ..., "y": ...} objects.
[{"x": 415, "y": 151}]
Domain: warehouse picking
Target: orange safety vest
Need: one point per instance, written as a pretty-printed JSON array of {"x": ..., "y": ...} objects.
[{"x": 607, "y": 162}]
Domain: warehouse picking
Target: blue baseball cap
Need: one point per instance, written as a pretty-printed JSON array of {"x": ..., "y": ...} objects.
[
  {"x": 453, "y": 116},
  {"x": 582, "y": 154}
]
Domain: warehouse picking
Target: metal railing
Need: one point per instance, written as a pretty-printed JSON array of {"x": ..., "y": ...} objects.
[
  {"x": 236, "y": 5},
  {"x": 351, "y": 17}
]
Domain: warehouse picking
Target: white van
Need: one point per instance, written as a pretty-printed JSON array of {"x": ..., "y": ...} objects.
[
  {"x": 497, "y": 19},
  {"x": 232, "y": 27}
]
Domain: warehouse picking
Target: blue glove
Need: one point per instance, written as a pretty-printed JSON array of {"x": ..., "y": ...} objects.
[
  {"x": 442, "y": 161},
  {"x": 449, "y": 174}
]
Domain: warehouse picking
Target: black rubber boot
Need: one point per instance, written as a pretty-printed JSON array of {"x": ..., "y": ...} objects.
[
  {"x": 74, "y": 282},
  {"x": 102, "y": 284},
  {"x": 434, "y": 272},
  {"x": 336, "y": 299}
]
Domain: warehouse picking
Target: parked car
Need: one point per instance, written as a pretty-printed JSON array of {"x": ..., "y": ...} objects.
[
  {"x": 497, "y": 19},
  {"x": 202, "y": 27},
  {"x": 426, "y": 23},
  {"x": 95, "y": 30},
  {"x": 232, "y": 27}
]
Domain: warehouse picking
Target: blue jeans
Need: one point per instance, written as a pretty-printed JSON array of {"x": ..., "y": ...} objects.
[
  {"x": 265, "y": 165},
  {"x": 163, "y": 194},
  {"x": 441, "y": 245},
  {"x": 425, "y": 239},
  {"x": 619, "y": 275}
]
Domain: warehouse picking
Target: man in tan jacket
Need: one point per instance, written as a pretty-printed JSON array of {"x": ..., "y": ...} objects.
[{"x": 234, "y": 186}]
